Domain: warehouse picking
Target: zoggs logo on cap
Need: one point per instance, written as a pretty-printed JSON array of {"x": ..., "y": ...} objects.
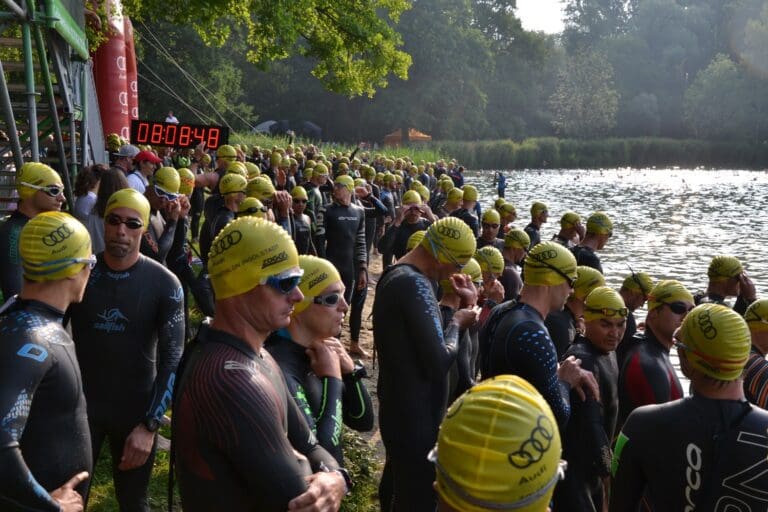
[
  {"x": 58, "y": 235},
  {"x": 274, "y": 260},
  {"x": 318, "y": 279},
  {"x": 449, "y": 232},
  {"x": 225, "y": 242}
]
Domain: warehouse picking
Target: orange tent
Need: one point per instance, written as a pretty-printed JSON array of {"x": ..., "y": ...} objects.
[{"x": 396, "y": 137}]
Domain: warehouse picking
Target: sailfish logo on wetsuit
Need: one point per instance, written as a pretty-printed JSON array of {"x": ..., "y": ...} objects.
[
  {"x": 112, "y": 320},
  {"x": 58, "y": 235},
  {"x": 534, "y": 448}
]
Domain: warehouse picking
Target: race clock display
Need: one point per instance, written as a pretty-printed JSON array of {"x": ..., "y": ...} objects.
[{"x": 175, "y": 135}]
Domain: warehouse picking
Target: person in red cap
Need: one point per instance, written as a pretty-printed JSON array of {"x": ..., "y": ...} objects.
[{"x": 147, "y": 165}]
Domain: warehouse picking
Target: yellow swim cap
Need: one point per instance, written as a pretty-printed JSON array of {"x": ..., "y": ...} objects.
[
  {"x": 604, "y": 302},
  {"x": 253, "y": 170},
  {"x": 237, "y": 168},
  {"x": 490, "y": 260},
  {"x": 299, "y": 192},
  {"x": 599, "y": 224},
  {"x": 447, "y": 185},
  {"x": 415, "y": 239},
  {"x": 470, "y": 193},
  {"x": 232, "y": 184},
  {"x": 423, "y": 192},
  {"x": 261, "y": 188},
  {"x": 247, "y": 251},
  {"x": 538, "y": 208},
  {"x": 345, "y": 181},
  {"x": 450, "y": 240},
  {"x": 667, "y": 292},
  {"x": 549, "y": 264},
  {"x": 638, "y": 282},
  {"x": 320, "y": 169},
  {"x": 167, "y": 180},
  {"x": 757, "y": 315},
  {"x": 724, "y": 267},
  {"x": 517, "y": 239},
  {"x": 186, "y": 181},
  {"x": 473, "y": 270},
  {"x": 35, "y": 174},
  {"x": 53, "y": 246},
  {"x": 587, "y": 279},
  {"x": 569, "y": 219},
  {"x": 130, "y": 198},
  {"x": 206, "y": 159},
  {"x": 498, "y": 449},
  {"x": 507, "y": 208},
  {"x": 491, "y": 216},
  {"x": 226, "y": 151},
  {"x": 455, "y": 195},
  {"x": 253, "y": 207},
  {"x": 716, "y": 341},
  {"x": 498, "y": 202},
  {"x": 308, "y": 173},
  {"x": 319, "y": 274},
  {"x": 411, "y": 197}
]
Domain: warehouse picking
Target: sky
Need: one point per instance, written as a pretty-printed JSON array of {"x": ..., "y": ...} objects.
[{"x": 544, "y": 15}]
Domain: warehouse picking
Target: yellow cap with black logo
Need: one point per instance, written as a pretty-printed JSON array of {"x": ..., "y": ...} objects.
[
  {"x": 490, "y": 260},
  {"x": 455, "y": 195},
  {"x": 537, "y": 208},
  {"x": 415, "y": 239},
  {"x": 498, "y": 449},
  {"x": 247, "y": 251},
  {"x": 667, "y": 292},
  {"x": 132, "y": 199},
  {"x": 345, "y": 181},
  {"x": 587, "y": 279},
  {"x": 253, "y": 207},
  {"x": 253, "y": 170},
  {"x": 411, "y": 197},
  {"x": 261, "y": 188},
  {"x": 604, "y": 302},
  {"x": 491, "y": 216},
  {"x": 232, "y": 184},
  {"x": 53, "y": 246},
  {"x": 517, "y": 239},
  {"x": 638, "y": 282},
  {"x": 599, "y": 224},
  {"x": 186, "y": 181},
  {"x": 450, "y": 240},
  {"x": 569, "y": 220},
  {"x": 724, "y": 267},
  {"x": 299, "y": 192},
  {"x": 470, "y": 193},
  {"x": 715, "y": 340},
  {"x": 237, "y": 168},
  {"x": 227, "y": 152},
  {"x": 35, "y": 174},
  {"x": 757, "y": 315},
  {"x": 167, "y": 180},
  {"x": 319, "y": 274},
  {"x": 549, "y": 264}
]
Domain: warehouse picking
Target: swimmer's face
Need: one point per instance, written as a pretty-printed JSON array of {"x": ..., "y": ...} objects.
[
  {"x": 606, "y": 333},
  {"x": 324, "y": 320}
]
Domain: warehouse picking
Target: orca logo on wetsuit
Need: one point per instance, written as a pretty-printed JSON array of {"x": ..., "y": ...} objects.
[
  {"x": 705, "y": 325},
  {"x": 533, "y": 449},
  {"x": 449, "y": 232},
  {"x": 225, "y": 242},
  {"x": 273, "y": 260},
  {"x": 58, "y": 235},
  {"x": 545, "y": 255}
]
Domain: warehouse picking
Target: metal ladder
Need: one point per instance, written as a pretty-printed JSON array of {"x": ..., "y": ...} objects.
[{"x": 47, "y": 93}]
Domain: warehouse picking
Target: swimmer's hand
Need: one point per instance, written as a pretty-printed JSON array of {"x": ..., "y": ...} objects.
[
  {"x": 67, "y": 497},
  {"x": 324, "y": 494},
  {"x": 581, "y": 380}
]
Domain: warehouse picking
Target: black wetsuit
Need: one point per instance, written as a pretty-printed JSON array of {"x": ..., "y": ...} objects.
[
  {"x": 415, "y": 352},
  {"x": 10, "y": 259},
  {"x": 646, "y": 375},
  {"x": 129, "y": 334},
  {"x": 344, "y": 238},
  {"x": 511, "y": 281},
  {"x": 211, "y": 227},
  {"x": 692, "y": 454},
  {"x": 157, "y": 240},
  {"x": 463, "y": 371},
  {"x": 520, "y": 345},
  {"x": 756, "y": 378},
  {"x": 44, "y": 438},
  {"x": 395, "y": 240},
  {"x": 215, "y": 200},
  {"x": 740, "y": 306},
  {"x": 532, "y": 230},
  {"x": 587, "y": 257},
  {"x": 469, "y": 218},
  {"x": 629, "y": 333},
  {"x": 235, "y": 430},
  {"x": 496, "y": 242},
  {"x": 561, "y": 326},
  {"x": 324, "y": 401},
  {"x": 588, "y": 437},
  {"x": 302, "y": 234}
]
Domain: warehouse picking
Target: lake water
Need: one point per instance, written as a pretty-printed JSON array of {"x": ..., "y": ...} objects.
[{"x": 666, "y": 222}]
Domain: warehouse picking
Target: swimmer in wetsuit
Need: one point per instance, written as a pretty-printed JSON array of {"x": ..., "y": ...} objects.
[
  {"x": 240, "y": 441},
  {"x": 516, "y": 243},
  {"x": 756, "y": 369},
  {"x": 45, "y": 446},
  {"x": 416, "y": 350},
  {"x": 727, "y": 278},
  {"x": 467, "y": 210},
  {"x": 408, "y": 220},
  {"x": 129, "y": 334},
  {"x": 490, "y": 224},
  {"x": 165, "y": 213},
  {"x": 232, "y": 190},
  {"x": 634, "y": 290},
  {"x": 326, "y": 384},
  {"x": 302, "y": 224},
  {"x": 571, "y": 232},
  {"x": 539, "y": 215},
  {"x": 518, "y": 343},
  {"x": 646, "y": 375},
  {"x": 599, "y": 230},
  {"x": 587, "y": 439},
  {"x": 707, "y": 451},
  {"x": 40, "y": 190}
]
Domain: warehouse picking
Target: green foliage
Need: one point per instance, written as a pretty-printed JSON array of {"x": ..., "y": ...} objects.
[
  {"x": 585, "y": 102},
  {"x": 352, "y": 44}
]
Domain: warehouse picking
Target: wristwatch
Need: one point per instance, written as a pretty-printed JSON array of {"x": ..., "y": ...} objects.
[
  {"x": 151, "y": 424},
  {"x": 358, "y": 372}
]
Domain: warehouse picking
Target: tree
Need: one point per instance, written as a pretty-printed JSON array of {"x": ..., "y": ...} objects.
[
  {"x": 353, "y": 44},
  {"x": 585, "y": 102},
  {"x": 589, "y": 21}
]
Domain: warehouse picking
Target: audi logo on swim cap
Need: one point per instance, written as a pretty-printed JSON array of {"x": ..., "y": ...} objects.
[
  {"x": 318, "y": 279},
  {"x": 277, "y": 258},
  {"x": 449, "y": 232},
  {"x": 705, "y": 325},
  {"x": 545, "y": 255},
  {"x": 58, "y": 235},
  {"x": 533, "y": 449},
  {"x": 224, "y": 243}
]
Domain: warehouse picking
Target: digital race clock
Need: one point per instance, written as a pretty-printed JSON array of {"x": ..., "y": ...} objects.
[{"x": 178, "y": 135}]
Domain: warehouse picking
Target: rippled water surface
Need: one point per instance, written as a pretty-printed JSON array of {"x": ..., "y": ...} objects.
[{"x": 667, "y": 222}]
